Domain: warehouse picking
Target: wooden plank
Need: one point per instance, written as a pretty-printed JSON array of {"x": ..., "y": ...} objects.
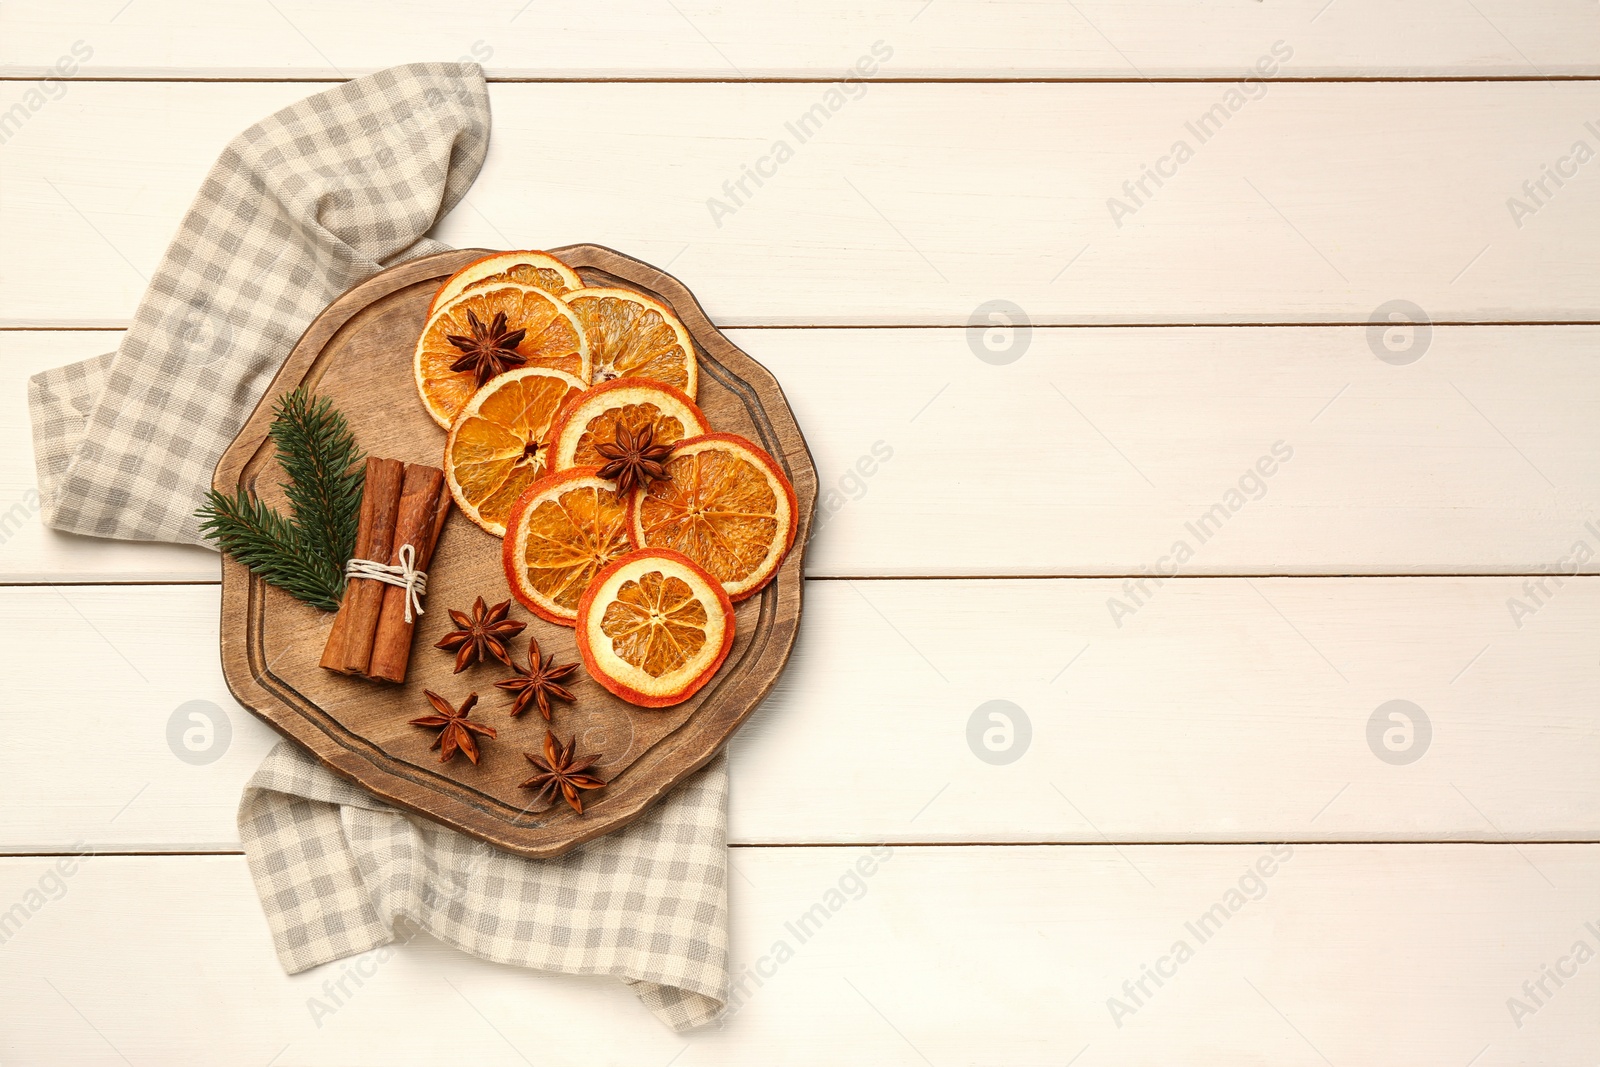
[
  {"x": 273, "y": 645},
  {"x": 1101, "y": 451},
  {"x": 1223, "y": 710},
  {"x": 1477, "y": 458},
  {"x": 948, "y": 39},
  {"x": 936, "y": 955},
  {"x": 1314, "y": 202}
]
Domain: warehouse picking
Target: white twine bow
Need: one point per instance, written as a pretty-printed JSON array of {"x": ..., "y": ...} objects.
[{"x": 403, "y": 574}]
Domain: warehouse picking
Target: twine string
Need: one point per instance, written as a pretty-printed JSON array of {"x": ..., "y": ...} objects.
[{"x": 403, "y": 574}]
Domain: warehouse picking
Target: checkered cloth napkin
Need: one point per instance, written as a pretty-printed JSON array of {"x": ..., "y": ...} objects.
[
  {"x": 336, "y": 868},
  {"x": 300, "y": 207}
]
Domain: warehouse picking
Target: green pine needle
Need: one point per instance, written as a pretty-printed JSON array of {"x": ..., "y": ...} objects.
[
  {"x": 269, "y": 545},
  {"x": 304, "y": 555},
  {"x": 318, "y": 452}
]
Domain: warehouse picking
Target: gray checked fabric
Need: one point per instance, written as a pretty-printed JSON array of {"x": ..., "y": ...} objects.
[
  {"x": 300, "y": 207},
  {"x": 336, "y": 868}
]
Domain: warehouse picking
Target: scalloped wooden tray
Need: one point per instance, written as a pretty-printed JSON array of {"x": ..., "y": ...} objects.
[{"x": 358, "y": 353}]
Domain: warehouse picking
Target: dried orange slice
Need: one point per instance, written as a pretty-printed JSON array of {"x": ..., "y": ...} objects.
[
  {"x": 564, "y": 528},
  {"x": 725, "y": 504},
  {"x": 629, "y": 403},
  {"x": 633, "y": 336},
  {"x": 553, "y": 338},
  {"x": 498, "y": 444},
  {"x": 653, "y": 627},
  {"x": 538, "y": 269}
]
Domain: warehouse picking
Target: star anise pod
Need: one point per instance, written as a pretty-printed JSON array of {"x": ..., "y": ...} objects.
[
  {"x": 454, "y": 729},
  {"x": 482, "y": 634},
  {"x": 491, "y": 350},
  {"x": 634, "y": 459},
  {"x": 560, "y": 771},
  {"x": 538, "y": 682}
]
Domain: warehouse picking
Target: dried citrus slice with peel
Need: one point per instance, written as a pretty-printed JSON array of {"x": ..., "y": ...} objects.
[
  {"x": 498, "y": 444},
  {"x": 633, "y": 336},
  {"x": 726, "y": 505},
  {"x": 553, "y": 338},
  {"x": 564, "y": 528},
  {"x": 653, "y": 627},
  {"x": 631, "y": 403},
  {"x": 538, "y": 269}
]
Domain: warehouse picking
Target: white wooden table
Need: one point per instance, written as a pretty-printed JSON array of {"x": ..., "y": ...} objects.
[{"x": 1370, "y": 514}]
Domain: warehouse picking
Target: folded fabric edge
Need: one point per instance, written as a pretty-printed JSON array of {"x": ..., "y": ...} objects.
[
  {"x": 290, "y": 778},
  {"x": 59, "y": 402}
]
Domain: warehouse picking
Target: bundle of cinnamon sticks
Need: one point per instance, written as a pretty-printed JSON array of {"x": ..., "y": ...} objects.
[{"x": 403, "y": 504}]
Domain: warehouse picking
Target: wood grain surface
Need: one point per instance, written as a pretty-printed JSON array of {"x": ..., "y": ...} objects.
[
  {"x": 814, "y": 39},
  {"x": 1438, "y": 467},
  {"x": 1208, "y": 717},
  {"x": 358, "y": 354},
  {"x": 916, "y": 204},
  {"x": 1422, "y": 501},
  {"x": 1352, "y": 955}
]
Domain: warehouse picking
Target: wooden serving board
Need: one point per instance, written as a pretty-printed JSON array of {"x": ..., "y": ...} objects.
[{"x": 358, "y": 354}]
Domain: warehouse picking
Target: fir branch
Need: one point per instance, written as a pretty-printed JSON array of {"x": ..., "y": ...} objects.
[
  {"x": 318, "y": 452},
  {"x": 270, "y": 546},
  {"x": 303, "y": 555}
]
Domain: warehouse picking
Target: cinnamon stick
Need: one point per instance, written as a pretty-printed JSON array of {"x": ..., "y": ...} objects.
[
  {"x": 349, "y": 646},
  {"x": 424, "y": 505}
]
